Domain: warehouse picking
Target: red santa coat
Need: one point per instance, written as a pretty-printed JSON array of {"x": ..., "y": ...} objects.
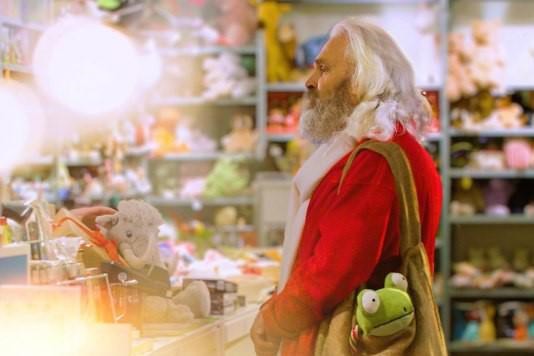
[{"x": 350, "y": 239}]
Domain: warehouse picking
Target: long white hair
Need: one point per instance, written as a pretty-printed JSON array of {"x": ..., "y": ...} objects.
[{"x": 383, "y": 83}]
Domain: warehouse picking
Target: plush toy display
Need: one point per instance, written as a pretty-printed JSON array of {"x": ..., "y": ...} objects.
[
  {"x": 384, "y": 312},
  {"x": 278, "y": 66},
  {"x": 224, "y": 76},
  {"x": 242, "y": 138}
]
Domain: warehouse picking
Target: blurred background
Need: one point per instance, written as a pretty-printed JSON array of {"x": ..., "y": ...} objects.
[{"x": 193, "y": 106}]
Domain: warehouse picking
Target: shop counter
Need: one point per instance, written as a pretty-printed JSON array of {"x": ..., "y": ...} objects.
[{"x": 222, "y": 336}]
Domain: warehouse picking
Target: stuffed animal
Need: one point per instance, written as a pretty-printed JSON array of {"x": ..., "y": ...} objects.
[
  {"x": 242, "y": 138},
  {"x": 134, "y": 228},
  {"x": 225, "y": 77},
  {"x": 509, "y": 114},
  {"x": 226, "y": 216},
  {"x": 226, "y": 179},
  {"x": 497, "y": 193},
  {"x": 278, "y": 66},
  {"x": 467, "y": 198},
  {"x": 487, "y": 159},
  {"x": 488, "y": 332},
  {"x": 459, "y": 83},
  {"x": 384, "y": 312},
  {"x": 487, "y": 65},
  {"x": 518, "y": 153},
  {"x": 237, "y": 22}
]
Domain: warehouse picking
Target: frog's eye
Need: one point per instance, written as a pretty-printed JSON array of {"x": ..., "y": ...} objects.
[
  {"x": 399, "y": 281},
  {"x": 370, "y": 301}
]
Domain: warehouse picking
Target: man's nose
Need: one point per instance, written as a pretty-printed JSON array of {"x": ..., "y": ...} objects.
[{"x": 311, "y": 82}]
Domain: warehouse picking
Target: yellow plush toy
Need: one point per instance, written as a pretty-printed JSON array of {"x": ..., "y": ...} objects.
[{"x": 269, "y": 13}]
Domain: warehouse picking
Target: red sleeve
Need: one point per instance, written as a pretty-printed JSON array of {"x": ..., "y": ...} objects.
[{"x": 352, "y": 236}]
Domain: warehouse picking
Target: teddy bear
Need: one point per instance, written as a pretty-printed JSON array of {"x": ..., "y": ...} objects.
[
  {"x": 486, "y": 67},
  {"x": 225, "y": 77},
  {"x": 242, "y": 138},
  {"x": 509, "y": 114},
  {"x": 459, "y": 83},
  {"x": 236, "y": 23}
]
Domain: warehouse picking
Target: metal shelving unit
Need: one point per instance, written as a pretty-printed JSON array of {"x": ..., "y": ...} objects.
[
  {"x": 524, "y": 132},
  {"x": 481, "y": 174},
  {"x": 487, "y": 219},
  {"x": 496, "y": 293},
  {"x": 500, "y": 346}
]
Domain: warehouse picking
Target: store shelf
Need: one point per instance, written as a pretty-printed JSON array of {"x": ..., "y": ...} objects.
[
  {"x": 177, "y": 202},
  {"x": 194, "y": 101},
  {"x": 525, "y": 132},
  {"x": 497, "y": 293},
  {"x": 84, "y": 162},
  {"x": 235, "y": 229},
  {"x": 281, "y": 137},
  {"x": 356, "y": 2},
  {"x": 433, "y": 136},
  {"x": 18, "y": 68},
  {"x": 209, "y": 50},
  {"x": 499, "y": 346},
  {"x": 208, "y": 156},
  {"x": 138, "y": 151},
  {"x": 488, "y": 219},
  {"x": 21, "y": 24},
  {"x": 287, "y": 87},
  {"x": 477, "y": 173}
]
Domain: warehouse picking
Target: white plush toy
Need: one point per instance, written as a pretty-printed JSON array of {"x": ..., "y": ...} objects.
[
  {"x": 225, "y": 77},
  {"x": 135, "y": 228}
]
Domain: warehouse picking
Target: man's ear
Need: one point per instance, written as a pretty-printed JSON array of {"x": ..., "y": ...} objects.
[{"x": 107, "y": 221}]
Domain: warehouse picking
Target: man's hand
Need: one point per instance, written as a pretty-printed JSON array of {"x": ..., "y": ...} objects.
[
  {"x": 263, "y": 344},
  {"x": 88, "y": 215}
]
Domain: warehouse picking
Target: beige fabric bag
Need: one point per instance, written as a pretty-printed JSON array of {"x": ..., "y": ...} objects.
[{"x": 424, "y": 337}]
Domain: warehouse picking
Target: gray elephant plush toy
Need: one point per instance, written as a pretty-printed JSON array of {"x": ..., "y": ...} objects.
[{"x": 135, "y": 229}]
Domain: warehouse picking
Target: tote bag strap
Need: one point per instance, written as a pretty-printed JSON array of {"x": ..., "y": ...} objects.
[{"x": 405, "y": 187}]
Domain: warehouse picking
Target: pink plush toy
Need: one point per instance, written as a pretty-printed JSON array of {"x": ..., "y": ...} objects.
[
  {"x": 518, "y": 154},
  {"x": 496, "y": 195}
]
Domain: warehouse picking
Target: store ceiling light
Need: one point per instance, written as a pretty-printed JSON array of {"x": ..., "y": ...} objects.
[
  {"x": 87, "y": 67},
  {"x": 21, "y": 124}
]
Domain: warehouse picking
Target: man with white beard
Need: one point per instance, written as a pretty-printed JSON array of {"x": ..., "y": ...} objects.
[{"x": 361, "y": 88}]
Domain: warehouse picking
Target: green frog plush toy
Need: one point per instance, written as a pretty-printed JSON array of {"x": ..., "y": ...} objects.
[{"x": 383, "y": 312}]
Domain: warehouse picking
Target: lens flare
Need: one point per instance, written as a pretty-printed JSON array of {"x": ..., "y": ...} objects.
[
  {"x": 21, "y": 124},
  {"x": 87, "y": 67}
]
